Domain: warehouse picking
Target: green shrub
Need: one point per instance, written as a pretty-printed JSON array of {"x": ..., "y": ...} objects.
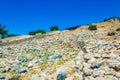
[
  {"x": 32, "y": 33},
  {"x": 73, "y": 28},
  {"x": 105, "y": 20},
  {"x": 54, "y": 28},
  {"x": 118, "y": 29},
  {"x": 111, "y": 33},
  {"x": 11, "y": 35},
  {"x": 92, "y": 27},
  {"x": 112, "y": 19},
  {"x": 37, "y": 31},
  {"x": 40, "y": 31}
]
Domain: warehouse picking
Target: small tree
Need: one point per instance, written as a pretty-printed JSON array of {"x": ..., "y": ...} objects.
[
  {"x": 3, "y": 31},
  {"x": 92, "y": 27},
  {"x": 54, "y": 28}
]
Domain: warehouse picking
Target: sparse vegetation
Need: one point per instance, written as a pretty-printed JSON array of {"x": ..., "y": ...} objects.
[
  {"x": 32, "y": 33},
  {"x": 41, "y": 31},
  {"x": 54, "y": 28},
  {"x": 92, "y": 27},
  {"x": 3, "y": 31},
  {"x": 15, "y": 77},
  {"x": 66, "y": 51},
  {"x": 112, "y": 19},
  {"x": 37, "y": 31},
  {"x": 11, "y": 35},
  {"x": 118, "y": 29},
  {"x": 111, "y": 33},
  {"x": 73, "y": 28}
]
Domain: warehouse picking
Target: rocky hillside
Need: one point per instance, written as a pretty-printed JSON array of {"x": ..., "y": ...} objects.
[{"x": 78, "y": 54}]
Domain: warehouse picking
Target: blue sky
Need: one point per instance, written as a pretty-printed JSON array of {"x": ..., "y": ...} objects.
[{"x": 22, "y": 16}]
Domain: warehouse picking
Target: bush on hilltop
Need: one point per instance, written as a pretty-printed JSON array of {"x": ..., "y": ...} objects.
[{"x": 92, "y": 27}]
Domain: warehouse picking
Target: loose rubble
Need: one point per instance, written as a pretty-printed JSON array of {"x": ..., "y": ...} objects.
[{"x": 79, "y": 54}]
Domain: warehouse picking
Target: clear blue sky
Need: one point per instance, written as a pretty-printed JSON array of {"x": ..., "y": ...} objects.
[{"x": 22, "y": 16}]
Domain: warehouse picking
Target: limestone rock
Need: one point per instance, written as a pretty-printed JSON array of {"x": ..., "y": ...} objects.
[
  {"x": 95, "y": 65},
  {"x": 95, "y": 74},
  {"x": 115, "y": 66},
  {"x": 2, "y": 70},
  {"x": 88, "y": 72}
]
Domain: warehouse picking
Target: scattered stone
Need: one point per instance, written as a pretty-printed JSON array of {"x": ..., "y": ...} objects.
[
  {"x": 2, "y": 77},
  {"x": 86, "y": 65},
  {"x": 116, "y": 52},
  {"x": 109, "y": 71},
  {"x": 1, "y": 43},
  {"x": 92, "y": 60},
  {"x": 55, "y": 57},
  {"x": 70, "y": 78},
  {"x": 2, "y": 70},
  {"x": 115, "y": 66},
  {"x": 99, "y": 43},
  {"x": 1, "y": 54},
  {"x": 16, "y": 67},
  {"x": 117, "y": 74},
  {"x": 40, "y": 61},
  {"x": 34, "y": 49},
  {"x": 31, "y": 64},
  {"x": 22, "y": 70},
  {"x": 106, "y": 56},
  {"x": 33, "y": 77},
  {"x": 23, "y": 59},
  {"x": 110, "y": 77},
  {"x": 97, "y": 55},
  {"x": 117, "y": 46},
  {"x": 95, "y": 65},
  {"x": 87, "y": 57},
  {"x": 19, "y": 69},
  {"x": 95, "y": 74},
  {"x": 41, "y": 55},
  {"x": 9, "y": 48},
  {"x": 108, "y": 48},
  {"x": 89, "y": 78},
  {"x": 7, "y": 68},
  {"x": 99, "y": 78},
  {"x": 97, "y": 58},
  {"x": 88, "y": 72}
]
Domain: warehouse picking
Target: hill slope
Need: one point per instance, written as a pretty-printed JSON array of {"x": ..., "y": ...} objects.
[{"x": 78, "y": 54}]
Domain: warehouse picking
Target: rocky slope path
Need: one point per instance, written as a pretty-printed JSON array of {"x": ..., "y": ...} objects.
[{"x": 78, "y": 54}]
